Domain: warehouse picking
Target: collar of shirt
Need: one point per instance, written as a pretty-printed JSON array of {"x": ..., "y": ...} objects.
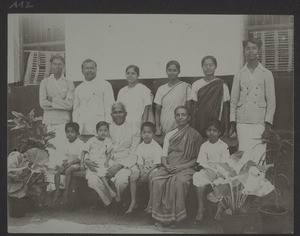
[
  {"x": 218, "y": 142},
  {"x": 148, "y": 143},
  {"x": 259, "y": 66},
  {"x": 57, "y": 80}
]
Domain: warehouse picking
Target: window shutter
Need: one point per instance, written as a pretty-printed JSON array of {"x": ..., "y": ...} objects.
[{"x": 277, "y": 52}]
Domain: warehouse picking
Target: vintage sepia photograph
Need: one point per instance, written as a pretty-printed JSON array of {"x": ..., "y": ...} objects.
[{"x": 150, "y": 123}]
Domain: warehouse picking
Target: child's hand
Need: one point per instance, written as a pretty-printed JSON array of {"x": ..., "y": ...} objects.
[
  {"x": 106, "y": 164},
  {"x": 144, "y": 175}
]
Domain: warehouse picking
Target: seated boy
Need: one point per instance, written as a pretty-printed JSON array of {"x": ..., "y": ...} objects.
[
  {"x": 71, "y": 159},
  {"x": 148, "y": 158}
]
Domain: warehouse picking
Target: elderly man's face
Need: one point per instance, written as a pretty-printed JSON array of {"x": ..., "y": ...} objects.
[
  {"x": 118, "y": 114},
  {"x": 89, "y": 70}
]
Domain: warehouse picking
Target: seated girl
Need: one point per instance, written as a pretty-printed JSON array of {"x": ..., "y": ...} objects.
[
  {"x": 212, "y": 153},
  {"x": 149, "y": 155},
  {"x": 71, "y": 159},
  {"x": 99, "y": 150}
]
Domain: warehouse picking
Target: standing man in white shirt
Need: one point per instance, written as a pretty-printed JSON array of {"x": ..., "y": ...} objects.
[
  {"x": 56, "y": 97},
  {"x": 253, "y": 102},
  {"x": 93, "y": 100}
]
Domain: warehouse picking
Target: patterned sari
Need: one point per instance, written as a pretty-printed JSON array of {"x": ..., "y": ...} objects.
[
  {"x": 176, "y": 96},
  {"x": 208, "y": 105},
  {"x": 168, "y": 191}
]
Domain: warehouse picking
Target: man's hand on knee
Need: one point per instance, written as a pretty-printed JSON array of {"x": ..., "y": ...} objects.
[{"x": 111, "y": 171}]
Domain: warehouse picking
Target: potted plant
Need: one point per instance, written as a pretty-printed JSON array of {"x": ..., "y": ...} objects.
[
  {"x": 237, "y": 179},
  {"x": 27, "y": 164},
  {"x": 273, "y": 215}
]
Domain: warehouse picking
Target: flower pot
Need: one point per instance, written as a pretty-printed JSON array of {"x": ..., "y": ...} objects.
[
  {"x": 17, "y": 207},
  {"x": 272, "y": 222},
  {"x": 234, "y": 224}
]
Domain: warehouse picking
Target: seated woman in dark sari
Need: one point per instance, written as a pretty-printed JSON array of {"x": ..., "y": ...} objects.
[
  {"x": 210, "y": 98},
  {"x": 170, "y": 184}
]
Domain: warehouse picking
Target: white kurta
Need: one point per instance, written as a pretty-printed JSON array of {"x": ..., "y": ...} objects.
[
  {"x": 92, "y": 103},
  {"x": 135, "y": 99},
  {"x": 148, "y": 154},
  {"x": 97, "y": 151}
]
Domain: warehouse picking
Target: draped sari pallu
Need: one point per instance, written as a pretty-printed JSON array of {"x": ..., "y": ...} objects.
[
  {"x": 168, "y": 191},
  {"x": 176, "y": 96},
  {"x": 208, "y": 105}
]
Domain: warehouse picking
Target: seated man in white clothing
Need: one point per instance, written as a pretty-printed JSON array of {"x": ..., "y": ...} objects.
[{"x": 125, "y": 140}]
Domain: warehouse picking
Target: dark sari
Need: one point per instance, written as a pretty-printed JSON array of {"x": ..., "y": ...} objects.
[
  {"x": 168, "y": 191},
  {"x": 208, "y": 105}
]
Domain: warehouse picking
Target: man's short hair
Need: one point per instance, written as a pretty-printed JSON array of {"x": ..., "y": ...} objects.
[
  {"x": 72, "y": 125},
  {"x": 57, "y": 56},
  {"x": 88, "y": 61},
  {"x": 183, "y": 107},
  {"x": 122, "y": 105},
  {"x": 149, "y": 125},
  {"x": 256, "y": 41}
]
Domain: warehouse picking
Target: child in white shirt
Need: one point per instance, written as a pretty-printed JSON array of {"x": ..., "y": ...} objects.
[
  {"x": 71, "y": 160},
  {"x": 148, "y": 159},
  {"x": 212, "y": 153},
  {"x": 98, "y": 150}
]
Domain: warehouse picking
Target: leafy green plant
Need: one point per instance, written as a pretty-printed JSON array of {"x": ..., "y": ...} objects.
[
  {"x": 25, "y": 171},
  {"x": 31, "y": 131},
  {"x": 278, "y": 154},
  {"x": 231, "y": 189}
]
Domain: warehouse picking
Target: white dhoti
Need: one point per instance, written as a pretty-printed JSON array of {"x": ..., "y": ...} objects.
[
  {"x": 120, "y": 181},
  {"x": 249, "y": 137}
]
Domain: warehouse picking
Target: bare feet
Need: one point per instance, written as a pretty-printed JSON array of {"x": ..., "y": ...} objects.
[
  {"x": 131, "y": 208},
  {"x": 217, "y": 216},
  {"x": 200, "y": 215},
  {"x": 173, "y": 225},
  {"x": 158, "y": 224},
  {"x": 114, "y": 195}
]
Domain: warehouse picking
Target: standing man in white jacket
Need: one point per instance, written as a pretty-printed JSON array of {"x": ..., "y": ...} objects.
[
  {"x": 93, "y": 100},
  {"x": 253, "y": 102}
]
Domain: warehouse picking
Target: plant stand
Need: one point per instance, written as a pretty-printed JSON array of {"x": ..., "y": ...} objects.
[
  {"x": 17, "y": 207},
  {"x": 234, "y": 224},
  {"x": 272, "y": 222}
]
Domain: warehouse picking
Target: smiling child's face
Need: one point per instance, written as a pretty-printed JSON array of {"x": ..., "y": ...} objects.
[
  {"x": 213, "y": 134},
  {"x": 71, "y": 134},
  {"x": 102, "y": 132}
]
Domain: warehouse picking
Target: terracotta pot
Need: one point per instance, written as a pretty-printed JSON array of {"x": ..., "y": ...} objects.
[
  {"x": 234, "y": 224},
  {"x": 17, "y": 207},
  {"x": 272, "y": 221}
]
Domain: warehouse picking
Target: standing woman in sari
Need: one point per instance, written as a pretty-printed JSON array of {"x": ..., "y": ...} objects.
[
  {"x": 210, "y": 98},
  {"x": 169, "y": 96},
  {"x": 137, "y": 98},
  {"x": 170, "y": 184}
]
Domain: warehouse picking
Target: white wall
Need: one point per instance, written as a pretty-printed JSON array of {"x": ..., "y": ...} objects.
[
  {"x": 13, "y": 47},
  {"x": 115, "y": 41}
]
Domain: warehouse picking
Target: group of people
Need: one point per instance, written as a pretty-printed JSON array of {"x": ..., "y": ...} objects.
[{"x": 115, "y": 142}]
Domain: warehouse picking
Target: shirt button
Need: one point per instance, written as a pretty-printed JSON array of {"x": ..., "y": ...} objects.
[
  {"x": 256, "y": 87},
  {"x": 255, "y": 94},
  {"x": 254, "y": 102}
]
